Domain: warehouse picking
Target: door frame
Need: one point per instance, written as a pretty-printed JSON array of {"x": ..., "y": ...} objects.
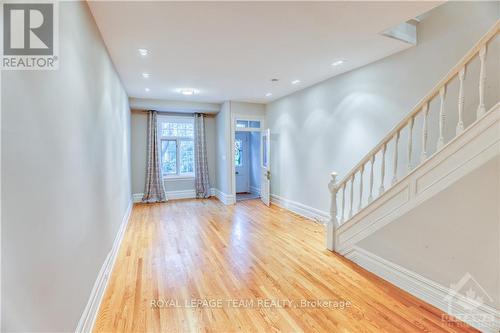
[{"x": 234, "y": 119}]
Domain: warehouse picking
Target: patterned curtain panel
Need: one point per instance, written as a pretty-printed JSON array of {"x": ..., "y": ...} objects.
[
  {"x": 154, "y": 190},
  {"x": 202, "y": 183}
]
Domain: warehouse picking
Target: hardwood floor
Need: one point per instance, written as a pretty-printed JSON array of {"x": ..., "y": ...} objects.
[{"x": 200, "y": 251}]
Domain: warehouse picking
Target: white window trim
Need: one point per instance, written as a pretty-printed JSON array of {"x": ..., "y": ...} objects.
[{"x": 177, "y": 139}]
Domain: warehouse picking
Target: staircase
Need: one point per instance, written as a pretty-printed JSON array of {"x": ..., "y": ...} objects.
[
  {"x": 364, "y": 209},
  {"x": 422, "y": 155}
]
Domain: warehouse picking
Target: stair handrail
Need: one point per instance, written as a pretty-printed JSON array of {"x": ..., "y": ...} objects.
[
  {"x": 433, "y": 93},
  {"x": 408, "y": 120}
]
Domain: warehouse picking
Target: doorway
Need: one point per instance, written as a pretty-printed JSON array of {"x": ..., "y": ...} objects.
[
  {"x": 250, "y": 143},
  {"x": 247, "y": 156}
]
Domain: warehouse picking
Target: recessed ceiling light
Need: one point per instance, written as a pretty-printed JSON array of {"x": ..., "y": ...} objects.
[
  {"x": 187, "y": 92},
  {"x": 143, "y": 52},
  {"x": 268, "y": 94},
  {"x": 338, "y": 62},
  {"x": 295, "y": 81},
  {"x": 146, "y": 89},
  {"x": 146, "y": 75}
]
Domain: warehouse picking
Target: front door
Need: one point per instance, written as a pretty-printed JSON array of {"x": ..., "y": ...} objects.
[
  {"x": 265, "y": 169},
  {"x": 242, "y": 162}
]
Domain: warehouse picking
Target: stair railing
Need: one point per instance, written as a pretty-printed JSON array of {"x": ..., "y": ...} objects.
[{"x": 337, "y": 218}]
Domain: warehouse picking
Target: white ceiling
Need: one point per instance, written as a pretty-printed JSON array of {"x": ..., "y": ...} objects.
[{"x": 231, "y": 50}]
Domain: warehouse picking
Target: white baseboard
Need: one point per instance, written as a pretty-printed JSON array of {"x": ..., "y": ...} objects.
[
  {"x": 226, "y": 199},
  {"x": 255, "y": 190},
  {"x": 171, "y": 195},
  {"x": 300, "y": 209},
  {"x": 137, "y": 197},
  {"x": 89, "y": 315},
  {"x": 427, "y": 290}
]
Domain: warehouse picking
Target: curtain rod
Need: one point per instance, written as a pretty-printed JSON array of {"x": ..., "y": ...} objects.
[{"x": 177, "y": 113}]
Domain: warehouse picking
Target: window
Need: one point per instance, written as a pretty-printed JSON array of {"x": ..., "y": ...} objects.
[
  {"x": 238, "y": 151},
  {"x": 177, "y": 147},
  {"x": 254, "y": 124},
  {"x": 247, "y": 124},
  {"x": 169, "y": 157},
  {"x": 242, "y": 123},
  {"x": 264, "y": 151}
]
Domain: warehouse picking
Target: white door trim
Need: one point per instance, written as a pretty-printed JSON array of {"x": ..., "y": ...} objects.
[{"x": 234, "y": 118}]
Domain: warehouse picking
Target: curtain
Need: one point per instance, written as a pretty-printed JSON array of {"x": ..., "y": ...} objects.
[
  {"x": 202, "y": 183},
  {"x": 154, "y": 190}
]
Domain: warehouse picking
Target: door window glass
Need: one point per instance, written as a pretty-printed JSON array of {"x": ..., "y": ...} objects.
[
  {"x": 238, "y": 152},
  {"x": 264, "y": 151}
]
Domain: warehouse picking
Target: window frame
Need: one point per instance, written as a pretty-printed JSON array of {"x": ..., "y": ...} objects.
[{"x": 177, "y": 139}]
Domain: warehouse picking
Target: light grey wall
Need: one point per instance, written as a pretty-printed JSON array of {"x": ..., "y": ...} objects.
[
  {"x": 255, "y": 159},
  {"x": 65, "y": 178},
  {"x": 331, "y": 126},
  {"x": 139, "y": 152},
  {"x": 210, "y": 136},
  {"x": 248, "y": 109},
  {"x": 222, "y": 148},
  {"x": 139, "y": 121},
  {"x": 173, "y": 106},
  {"x": 455, "y": 233}
]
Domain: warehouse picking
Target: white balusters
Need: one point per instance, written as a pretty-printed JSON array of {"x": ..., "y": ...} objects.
[
  {"x": 352, "y": 195},
  {"x": 460, "y": 125},
  {"x": 342, "y": 217},
  {"x": 459, "y": 71},
  {"x": 425, "y": 111},
  {"x": 395, "y": 160},
  {"x": 481, "y": 110},
  {"x": 442, "y": 117},
  {"x": 333, "y": 223},
  {"x": 361, "y": 187},
  {"x": 382, "y": 175},
  {"x": 411, "y": 122},
  {"x": 370, "y": 198}
]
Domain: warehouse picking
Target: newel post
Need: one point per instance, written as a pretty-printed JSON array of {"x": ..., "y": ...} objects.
[{"x": 333, "y": 223}]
